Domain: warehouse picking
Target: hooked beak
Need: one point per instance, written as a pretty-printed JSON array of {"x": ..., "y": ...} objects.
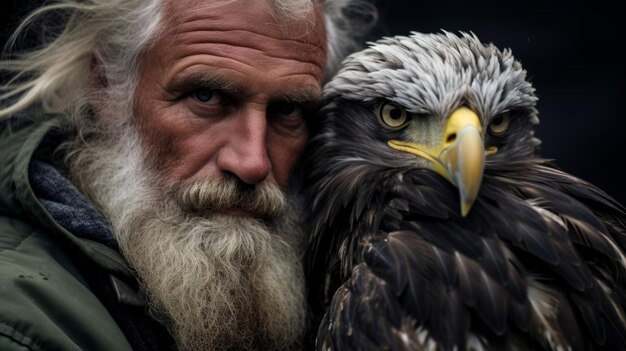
[{"x": 460, "y": 158}]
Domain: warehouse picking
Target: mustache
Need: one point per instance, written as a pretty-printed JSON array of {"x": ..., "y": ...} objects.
[{"x": 264, "y": 200}]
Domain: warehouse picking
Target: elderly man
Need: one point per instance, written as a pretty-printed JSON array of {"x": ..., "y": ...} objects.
[{"x": 146, "y": 154}]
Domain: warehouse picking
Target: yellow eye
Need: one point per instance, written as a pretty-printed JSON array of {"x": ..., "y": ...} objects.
[
  {"x": 392, "y": 116},
  {"x": 500, "y": 123}
]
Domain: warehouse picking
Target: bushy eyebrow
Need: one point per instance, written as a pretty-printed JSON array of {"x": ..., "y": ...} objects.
[
  {"x": 308, "y": 96},
  {"x": 195, "y": 80}
]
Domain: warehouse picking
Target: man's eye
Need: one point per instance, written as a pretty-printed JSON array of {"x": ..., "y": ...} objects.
[
  {"x": 288, "y": 109},
  {"x": 203, "y": 95},
  {"x": 288, "y": 116}
]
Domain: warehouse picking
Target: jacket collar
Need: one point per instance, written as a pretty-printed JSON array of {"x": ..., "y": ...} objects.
[{"x": 31, "y": 139}]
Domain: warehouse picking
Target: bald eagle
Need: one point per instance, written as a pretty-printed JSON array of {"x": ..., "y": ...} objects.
[{"x": 435, "y": 223}]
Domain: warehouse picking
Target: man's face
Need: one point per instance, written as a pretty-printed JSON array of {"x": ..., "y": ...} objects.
[
  {"x": 226, "y": 90},
  {"x": 222, "y": 101}
]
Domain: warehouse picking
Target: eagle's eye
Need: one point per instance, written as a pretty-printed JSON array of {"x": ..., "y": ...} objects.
[
  {"x": 500, "y": 123},
  {"x": 392, "y": 116}
]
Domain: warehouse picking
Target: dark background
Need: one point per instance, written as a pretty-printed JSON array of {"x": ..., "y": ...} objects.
[{"x": 571, "y": 49}]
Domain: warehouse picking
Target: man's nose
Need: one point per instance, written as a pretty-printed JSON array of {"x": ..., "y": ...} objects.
[{"x": 245, "y": 152}]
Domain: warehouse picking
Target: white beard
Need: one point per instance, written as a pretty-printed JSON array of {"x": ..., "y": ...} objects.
[{"x": 223, "y": 282}]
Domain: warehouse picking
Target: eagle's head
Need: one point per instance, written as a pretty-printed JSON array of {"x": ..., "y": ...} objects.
[{"x": 439, "y": 101}]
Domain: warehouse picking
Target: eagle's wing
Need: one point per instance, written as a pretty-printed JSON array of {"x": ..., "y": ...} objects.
[{"x": 529, "y": 260}]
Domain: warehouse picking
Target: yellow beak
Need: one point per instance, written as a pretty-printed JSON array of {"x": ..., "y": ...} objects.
[{"x": 460, "y": 157}]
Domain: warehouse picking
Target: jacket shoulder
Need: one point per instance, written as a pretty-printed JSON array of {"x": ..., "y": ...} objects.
[{"x": 46, "y": 304}]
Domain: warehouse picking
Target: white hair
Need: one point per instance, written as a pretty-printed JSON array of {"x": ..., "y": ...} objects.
[
  {"x": 113, "y": 33},
  {"x": 56, "y": 76}
]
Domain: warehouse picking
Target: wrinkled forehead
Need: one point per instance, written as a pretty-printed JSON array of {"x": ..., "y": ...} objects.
[{"x": 245, "y": 15}]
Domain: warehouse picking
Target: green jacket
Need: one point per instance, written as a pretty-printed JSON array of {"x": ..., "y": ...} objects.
[{"x": 46, "y": 302}]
